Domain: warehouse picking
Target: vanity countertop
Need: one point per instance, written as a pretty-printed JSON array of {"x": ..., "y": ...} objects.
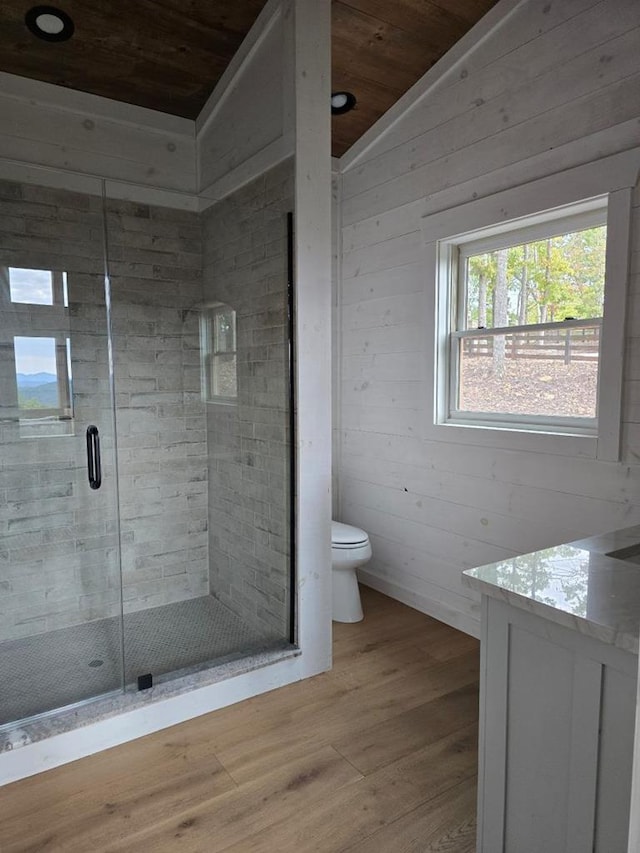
[{"x": 578, "y": 585}]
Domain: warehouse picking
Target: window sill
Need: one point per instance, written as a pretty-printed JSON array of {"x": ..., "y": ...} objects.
[
  {"x": 575, "y": 427},
  {"x": 222, "y": 401},
  {"x": 514, "y": 439}
]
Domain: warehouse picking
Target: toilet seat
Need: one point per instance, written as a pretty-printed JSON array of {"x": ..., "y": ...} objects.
[
  {"x": 356, "y": 546},
  {"x": 344, "y": 536}
]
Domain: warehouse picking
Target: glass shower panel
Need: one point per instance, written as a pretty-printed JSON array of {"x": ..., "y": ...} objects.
[
  {"x": 155, "y": 262},
  {"x": 60, "y": 584},
  {"x": 201, "y": 353},
  {"x": 247, "y": 313}
]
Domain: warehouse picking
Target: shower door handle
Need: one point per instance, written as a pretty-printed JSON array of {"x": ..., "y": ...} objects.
[{"x": 94, "y": 469}]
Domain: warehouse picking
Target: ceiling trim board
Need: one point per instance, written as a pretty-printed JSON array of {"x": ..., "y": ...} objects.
[
  {"x": 151, "y": 195},
  {"x": 437, "y": 74},
  {"x": 47, "y": 176},
  {"x": 57, "y": 178},
  {"x": 251, "y": 44},
  {"x": 72, "y": 100}
]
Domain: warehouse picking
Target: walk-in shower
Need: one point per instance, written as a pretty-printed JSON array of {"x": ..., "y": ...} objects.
[{"x": 145, "y": 439}]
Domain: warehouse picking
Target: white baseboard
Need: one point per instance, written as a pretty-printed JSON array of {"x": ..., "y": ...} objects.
[{"x": 436, "y": 609}]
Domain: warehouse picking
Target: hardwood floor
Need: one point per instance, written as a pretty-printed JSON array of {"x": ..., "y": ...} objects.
[{"x": 377, "y": 755}]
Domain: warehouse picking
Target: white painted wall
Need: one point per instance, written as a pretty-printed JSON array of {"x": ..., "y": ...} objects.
[
  {"x": 546, "y": 85},
  {"x": 77, "y": 133}
]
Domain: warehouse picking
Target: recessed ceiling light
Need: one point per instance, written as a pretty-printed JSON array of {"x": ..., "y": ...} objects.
[
  {"x": 49, "y": 23},
  {"x": 342, "y": 102}
]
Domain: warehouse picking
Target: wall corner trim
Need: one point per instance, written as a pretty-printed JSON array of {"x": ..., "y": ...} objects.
[{"x": 243, "y": 56}]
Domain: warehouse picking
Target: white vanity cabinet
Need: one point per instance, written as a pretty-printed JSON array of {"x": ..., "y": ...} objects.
[
  {"x": 559, "y": 668},
  {"x": 557, "y": 714}
]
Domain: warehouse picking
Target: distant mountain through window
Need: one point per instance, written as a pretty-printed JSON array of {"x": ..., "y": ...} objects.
[
  {"x": 26, "y": 380},
  {"x": 37, "y": 391}
]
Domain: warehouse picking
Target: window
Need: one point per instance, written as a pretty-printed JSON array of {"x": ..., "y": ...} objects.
[
  {"x": 43, "y": 377},
  {"x": 570, "y": 416},
  {"x": 219, "y": 354},
  {"x": 34, "y": 329},
  {"x": 38, "y": 287},
  {"x": 526, "y": 314}
]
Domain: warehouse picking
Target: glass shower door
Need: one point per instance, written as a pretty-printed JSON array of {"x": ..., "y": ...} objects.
[
  {"x": 201, "y": 342},
  {"x": 60, "y": 579}
]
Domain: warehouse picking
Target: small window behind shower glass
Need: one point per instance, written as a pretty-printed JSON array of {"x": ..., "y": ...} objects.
[
  {"x": 219, "y": 354},
  {"x": 43, "y": 382},
  {"x": 35, "y": 319},
  {"x": 38, "y": 287}
]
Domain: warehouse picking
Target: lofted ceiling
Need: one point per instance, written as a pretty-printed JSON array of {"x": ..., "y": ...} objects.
[{"x": 168, "y": 54}]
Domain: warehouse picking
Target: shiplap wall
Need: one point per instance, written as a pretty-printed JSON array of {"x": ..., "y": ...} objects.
[
  {"x": 556, "y": 85},
  {"x": 89, "y": 135},
  {"x": 246, "y": 126},
  {"x": 246, "y": 131}
]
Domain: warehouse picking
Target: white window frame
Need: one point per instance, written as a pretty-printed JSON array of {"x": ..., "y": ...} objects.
[
  {"x": 578, "y": 190},
  {"x": 589, "y": 214},
  {"x": 210, "y": 355},
  {"x": 37, "y": 320}
]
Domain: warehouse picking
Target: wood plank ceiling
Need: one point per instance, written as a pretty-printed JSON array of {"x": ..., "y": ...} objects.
[{"x": 168, "y": 54}]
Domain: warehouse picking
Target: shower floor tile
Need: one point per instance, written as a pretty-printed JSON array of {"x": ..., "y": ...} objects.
[{"x": 57, "y": 669}]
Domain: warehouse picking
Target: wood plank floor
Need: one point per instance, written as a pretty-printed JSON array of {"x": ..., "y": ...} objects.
[{"x": 377, "y": 755}]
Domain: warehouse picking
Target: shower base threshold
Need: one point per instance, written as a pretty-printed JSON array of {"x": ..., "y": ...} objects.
[{"x": 78, "y": 671}]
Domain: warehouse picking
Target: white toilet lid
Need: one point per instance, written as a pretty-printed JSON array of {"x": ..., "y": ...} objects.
[{"x": 345, "y": 534}]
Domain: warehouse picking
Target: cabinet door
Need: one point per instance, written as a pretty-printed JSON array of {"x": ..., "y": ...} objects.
[
  {"x": 556, "y": 738},
  {"x": 552, "y": 733},
  {"x": 616, "y": 759}
]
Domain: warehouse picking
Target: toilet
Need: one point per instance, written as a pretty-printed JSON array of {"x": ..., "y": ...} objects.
[{"x": 350, "y": 548}]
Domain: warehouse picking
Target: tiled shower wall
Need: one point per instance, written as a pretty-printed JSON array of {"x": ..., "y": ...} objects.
[
  {"x": 245, "y": 266},
  {"x": 155, "y": 264},
  {"x": 59, "y": 557},
  {"x": 59, "y": 554}
]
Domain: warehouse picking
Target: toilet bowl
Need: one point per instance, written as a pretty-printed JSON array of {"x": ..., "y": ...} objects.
[{"x": 350, "y": 548}]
